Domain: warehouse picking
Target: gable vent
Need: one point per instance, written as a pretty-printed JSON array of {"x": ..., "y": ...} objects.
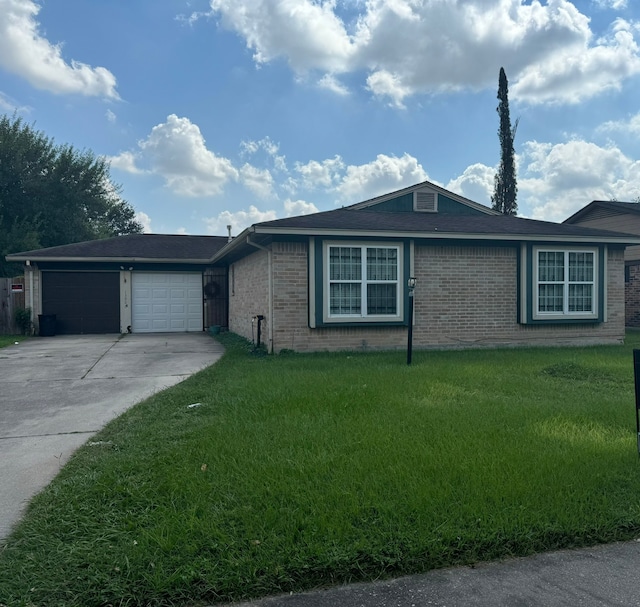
[{"x": 425, "y": 202}]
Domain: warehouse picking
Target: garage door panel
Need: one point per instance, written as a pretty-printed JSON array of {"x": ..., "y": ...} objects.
[
  {"x": 167, "y": 301},
  {"x": 83, "y": 302}
]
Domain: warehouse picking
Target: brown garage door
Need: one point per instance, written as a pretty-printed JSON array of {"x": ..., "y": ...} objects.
[{"x": 83, "y": 302}]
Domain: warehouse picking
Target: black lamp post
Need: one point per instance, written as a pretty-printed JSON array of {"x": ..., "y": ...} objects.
[{"x": 411, "y": 283}]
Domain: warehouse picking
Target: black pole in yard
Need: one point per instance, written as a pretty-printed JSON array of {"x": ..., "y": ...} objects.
[
  {"x": 412, "y": 285},
  {"x": 636, "y": 376}
]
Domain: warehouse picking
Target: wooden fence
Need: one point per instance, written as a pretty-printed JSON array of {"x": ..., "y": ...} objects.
[{"x": 11, "y": 298}]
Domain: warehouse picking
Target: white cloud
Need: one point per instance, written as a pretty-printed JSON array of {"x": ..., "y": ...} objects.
[
  {"x": 270, "y": 148},
  {"x": 558, "y": 179},
  {"x": 258, "y": 181},
  {"x": 176, "y": 150},
  {"x": 111, "y": 117},
  {"x": 631, "y": 126},
  {"x": 238, "y": 220},
  {"x": 299, "y": 207},
  {"x": 145, "y": 220},
  {"x": 25, "y": 52},
  {"x": 549, "y": 51},
  {"x": 320, "y": 174},
  {"x": 125, "y": 161},
  {"x": 308, "y": 34},
  {"x": 331, "y": 83},
  {"x": 617, "y": 5},
  {"x": 475, "y": 183},
  {"x": 384, "y": 174},
  {"x": 581, "y": 71}
]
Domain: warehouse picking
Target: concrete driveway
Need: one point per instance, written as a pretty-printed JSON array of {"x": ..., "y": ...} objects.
[{"x": 55, "y": 392}]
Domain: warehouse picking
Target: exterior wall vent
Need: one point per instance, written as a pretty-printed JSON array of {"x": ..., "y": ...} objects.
[{"x": 425, "y": 201}]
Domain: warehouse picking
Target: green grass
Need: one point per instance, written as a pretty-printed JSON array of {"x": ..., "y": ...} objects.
[
  {"x": 10, "y": 340},
  {"x": 298, "y": 471}
]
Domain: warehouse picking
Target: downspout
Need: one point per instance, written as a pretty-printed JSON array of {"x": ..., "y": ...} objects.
[
  {"x": 270, "y": 287},
  {"x": 28, "y": 263}
]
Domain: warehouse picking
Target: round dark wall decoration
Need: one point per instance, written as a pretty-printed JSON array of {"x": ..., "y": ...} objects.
[{"x": 211, "y": 289}]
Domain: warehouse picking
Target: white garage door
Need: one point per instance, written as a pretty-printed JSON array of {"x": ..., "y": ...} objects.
[{"x": 166, "y": 302}]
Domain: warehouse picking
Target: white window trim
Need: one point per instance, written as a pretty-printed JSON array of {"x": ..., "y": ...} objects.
[
  {"x": 566, "y": 314},
  {"x": 327, "y": 317}
]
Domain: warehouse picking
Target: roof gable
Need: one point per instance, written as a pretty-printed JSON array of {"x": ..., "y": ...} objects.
[
  {"x": 599, "y": 209},
  {"x": 424, "y": 197}
]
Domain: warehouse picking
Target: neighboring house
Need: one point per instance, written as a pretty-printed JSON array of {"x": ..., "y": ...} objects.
[
  {"x": 621, "y": 217},
  {"x": 140, "y": 282},
  {"x": 338, "y": 279}
]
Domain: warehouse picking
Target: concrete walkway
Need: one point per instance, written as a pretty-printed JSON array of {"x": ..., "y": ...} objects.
[
  {"x": 604, "y": 576},
  {"x": 55, "y": 392}
]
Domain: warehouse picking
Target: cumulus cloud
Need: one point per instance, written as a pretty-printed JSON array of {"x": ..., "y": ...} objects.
[
  {"x": 177, "y": 151},
  {"x": 25, "y": 52},
  {"x": 475, "y": 183},
  {"x": 125, "y": 161},
  {"x": 382, "y": 175},
  {"x": 325, "y": 174},
  {"x": 556, "y": 180},
  {"x": 308, "y": 34},
  {"x": 549, "y": 50},
  {"x": 258, "y": 181},
  {"x": 299, "y": 207},
  {"x": 145, "y": 220},
  {"x": 238, "y": 220}
]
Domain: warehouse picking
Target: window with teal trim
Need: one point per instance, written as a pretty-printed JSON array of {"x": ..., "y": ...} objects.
[
  {"x": 566, "y": 283},
  {"x": 363, "y": 281}
]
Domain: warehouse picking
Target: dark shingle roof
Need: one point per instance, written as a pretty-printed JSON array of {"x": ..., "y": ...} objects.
[
  {"x": 134, "y": 246},
  {"x": 431, "y": 223}
]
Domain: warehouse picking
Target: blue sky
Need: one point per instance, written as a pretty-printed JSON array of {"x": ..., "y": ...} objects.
[{"x": 237, "y": 111}]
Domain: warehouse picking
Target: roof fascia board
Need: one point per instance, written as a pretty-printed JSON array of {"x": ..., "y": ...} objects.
[{"x": 441, "y": 235}]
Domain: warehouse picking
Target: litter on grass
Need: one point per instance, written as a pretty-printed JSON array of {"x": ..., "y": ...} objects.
[{"x": 194, "y": 405}]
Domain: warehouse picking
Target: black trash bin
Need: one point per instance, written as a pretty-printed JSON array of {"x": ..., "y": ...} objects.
[{"x": 47, "y": 324}]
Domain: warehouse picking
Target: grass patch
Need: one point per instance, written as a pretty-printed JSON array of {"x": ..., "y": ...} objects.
[
  {"x": 299, "y": 471},
  {"x": 10, "y": 340}
]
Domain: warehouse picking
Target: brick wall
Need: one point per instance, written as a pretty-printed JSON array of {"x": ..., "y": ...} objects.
[
  {"x": 249, "y": 296},
  {"x": 465, "y": 297}
]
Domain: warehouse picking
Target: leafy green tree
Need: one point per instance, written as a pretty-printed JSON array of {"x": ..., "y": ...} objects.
[
  {"x": 505, "y": 190},
  {"x": 54, "y": 194}
]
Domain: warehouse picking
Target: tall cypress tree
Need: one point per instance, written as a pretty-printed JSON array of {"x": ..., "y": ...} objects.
[{"x": 505, "y": 189}]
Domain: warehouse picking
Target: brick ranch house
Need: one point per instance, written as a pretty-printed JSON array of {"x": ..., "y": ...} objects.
[
  {"x": 338, "y": 279},
  {"x": 623, "y": 217}
]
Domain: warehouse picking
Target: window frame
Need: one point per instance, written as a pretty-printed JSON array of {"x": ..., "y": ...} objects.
[
  {"x": 565, "y": 314},
  {"x": 363, "y": 317}
]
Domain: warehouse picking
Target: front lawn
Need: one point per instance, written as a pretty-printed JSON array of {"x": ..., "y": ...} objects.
[{"x": 296, "y": 471}]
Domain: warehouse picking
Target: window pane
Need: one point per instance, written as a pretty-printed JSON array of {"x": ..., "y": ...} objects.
[
  {"x": 580, "y": 298},
  {"x": 345, "y": 298},
  {"x": 345, "y": 263},
  {"x": 550, "y": 298},
  {"x": 382, "y": 264},
  {"x": 550, "y": 266},
  {"x": 381, "y": 299},
  {"x": 580, "y": 267}
]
